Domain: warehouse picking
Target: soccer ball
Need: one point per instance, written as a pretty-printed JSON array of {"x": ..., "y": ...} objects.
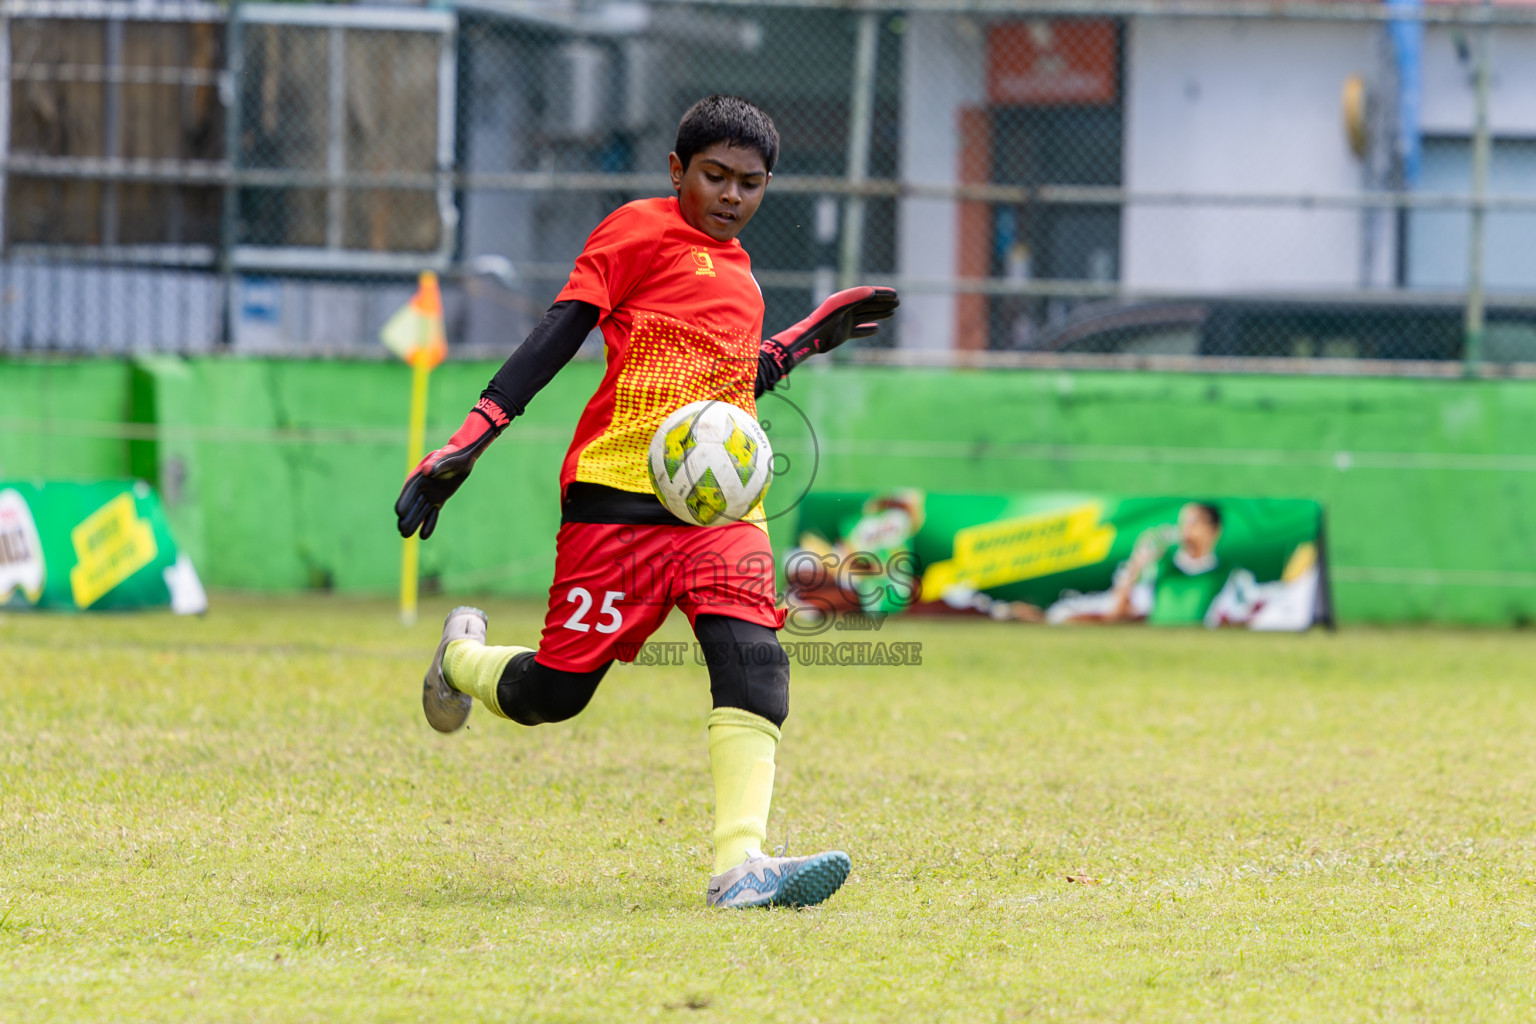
[{"x": 710, "y": 463}]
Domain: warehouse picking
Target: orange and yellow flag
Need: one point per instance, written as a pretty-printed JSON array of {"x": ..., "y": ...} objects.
[{"x": 415, "y": 333}]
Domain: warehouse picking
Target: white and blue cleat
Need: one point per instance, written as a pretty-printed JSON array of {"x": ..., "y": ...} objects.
[{"x": 780, "y": 881}]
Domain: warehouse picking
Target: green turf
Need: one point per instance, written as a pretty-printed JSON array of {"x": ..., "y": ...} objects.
[{"x": 245, "y": 818}]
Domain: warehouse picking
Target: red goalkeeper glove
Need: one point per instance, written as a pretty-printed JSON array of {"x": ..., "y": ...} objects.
[
  {"x": 850, "y": 313},
  {"x": 440, "y": 474}
]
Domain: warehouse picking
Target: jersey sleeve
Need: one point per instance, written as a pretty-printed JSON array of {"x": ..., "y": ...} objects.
[{"x": 617, "y": 255}]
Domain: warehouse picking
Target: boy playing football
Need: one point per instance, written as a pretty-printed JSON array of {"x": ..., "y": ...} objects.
[{"x": 682, "y": 319}]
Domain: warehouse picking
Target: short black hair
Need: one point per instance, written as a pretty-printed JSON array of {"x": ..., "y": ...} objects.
[
  {"x": 728, "y": 119},
  {"x": 1212, "y": 513}
]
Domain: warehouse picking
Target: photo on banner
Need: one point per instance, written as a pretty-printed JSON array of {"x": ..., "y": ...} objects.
[{"x": 1061, "y": 558}]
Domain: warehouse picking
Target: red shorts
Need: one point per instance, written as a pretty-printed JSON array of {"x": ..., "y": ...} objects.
[{"x": 615, "y": 583}]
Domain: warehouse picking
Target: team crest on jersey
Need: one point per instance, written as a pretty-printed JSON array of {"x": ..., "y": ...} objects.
[{"x": 702, "y": 264}]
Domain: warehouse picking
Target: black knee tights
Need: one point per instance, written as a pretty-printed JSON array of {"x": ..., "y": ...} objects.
[
  {"x": 747, "y": 670},
  {"x": 533, "y": 694},
  {"x": 747, "y": 667}
]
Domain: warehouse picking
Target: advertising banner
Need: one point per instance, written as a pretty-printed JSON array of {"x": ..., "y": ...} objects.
[
  {"x": 1060, "y": 558},
  {"x": 91, "y": 546}
]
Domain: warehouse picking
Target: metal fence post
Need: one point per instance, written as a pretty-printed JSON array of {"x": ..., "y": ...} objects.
[
  {"x": 229, "y": 215},
  {"x": 5, "y": 156},
  {"x": 447, "y": 138},
  {"x": 1482, "y": 146},
  {"x": 860, "y": 114},
  {"x": 335, "y": 134},
  {"x": 112, "y": 128}
]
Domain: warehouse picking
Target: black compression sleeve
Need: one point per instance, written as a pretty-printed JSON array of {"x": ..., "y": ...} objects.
[
  {"x": 747, "y": 667},
  {"x": 533, "y": 694},
  {"x": 549, "y": 347}
]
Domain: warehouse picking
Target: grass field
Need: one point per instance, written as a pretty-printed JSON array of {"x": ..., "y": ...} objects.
[{"x": 245, "y": 818}]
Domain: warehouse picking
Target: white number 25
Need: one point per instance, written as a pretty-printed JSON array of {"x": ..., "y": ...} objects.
[{"x": 581, "y": 597}]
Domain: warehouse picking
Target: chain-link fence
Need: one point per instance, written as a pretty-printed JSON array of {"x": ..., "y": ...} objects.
[{"x": 1112, "y": 182}]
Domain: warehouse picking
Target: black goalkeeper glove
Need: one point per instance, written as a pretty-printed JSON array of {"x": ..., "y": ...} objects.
[
  {"x": 438, "y": 475},
  {"x": 850, "y": 313}
]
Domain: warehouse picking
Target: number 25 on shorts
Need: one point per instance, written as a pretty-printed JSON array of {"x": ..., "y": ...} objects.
[{"x": 610, "y": 618}]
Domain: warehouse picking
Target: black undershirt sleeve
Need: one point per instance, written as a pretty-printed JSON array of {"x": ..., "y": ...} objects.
[{"x": 548, "y": 348}]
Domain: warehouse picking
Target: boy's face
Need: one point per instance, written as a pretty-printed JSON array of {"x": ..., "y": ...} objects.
[
  {"x": 1197, "y": 533},
  {"x": 721, "y": 189}
]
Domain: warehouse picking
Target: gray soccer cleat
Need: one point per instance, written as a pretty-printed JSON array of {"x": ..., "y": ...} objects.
[
  {"x": 447, "y": 708},
  {"x": 780, "y": 881}
]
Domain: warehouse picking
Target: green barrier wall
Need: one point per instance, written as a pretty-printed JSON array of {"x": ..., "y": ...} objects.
[
  {"x": 280, "y": 474},
  {"x": 95, "y": 397}
]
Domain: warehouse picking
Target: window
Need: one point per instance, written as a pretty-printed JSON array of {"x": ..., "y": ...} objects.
[
  {"x": 346, "y": 142},
  {"x": 1438, "y": 239},
  {"x": 116, "y": 135}
]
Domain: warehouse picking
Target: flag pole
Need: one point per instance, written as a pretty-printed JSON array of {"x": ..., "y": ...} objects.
[
  {"x": 410, "y": 552},
  {"x": 415, "y": 334}
]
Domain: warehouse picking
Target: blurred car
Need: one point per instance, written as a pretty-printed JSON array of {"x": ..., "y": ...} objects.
[{"x": 1344, "y": 329}]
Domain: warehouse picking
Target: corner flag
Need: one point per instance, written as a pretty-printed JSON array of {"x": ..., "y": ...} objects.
[{"x": 416, "y": 334}]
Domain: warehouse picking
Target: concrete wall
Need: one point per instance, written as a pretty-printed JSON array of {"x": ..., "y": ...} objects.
[
  {"x": 1448, "y": 95},
  {"x": 280, "y": 474},
  {"x": 1239, "y": 106},
  {"x": 943, "y": 71}
]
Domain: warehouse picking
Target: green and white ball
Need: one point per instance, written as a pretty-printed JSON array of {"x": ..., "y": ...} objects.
[{"x": 710, "y": 463}]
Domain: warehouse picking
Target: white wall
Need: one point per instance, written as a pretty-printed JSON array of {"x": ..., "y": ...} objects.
[
  {"x": 1511, "y": 92},
  {"x": 1438, "y": 257},
  {"x": 943, "y": 70},
  {"x": 1236, "y": 106}
]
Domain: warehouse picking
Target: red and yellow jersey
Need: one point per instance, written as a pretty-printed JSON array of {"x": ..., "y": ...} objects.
[{"x": 682, "y": 319}]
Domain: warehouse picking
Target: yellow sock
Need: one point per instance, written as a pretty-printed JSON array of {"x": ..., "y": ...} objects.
[
  {"x": 741, "y": 749},
  {"x": 476, "y": 669}
]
